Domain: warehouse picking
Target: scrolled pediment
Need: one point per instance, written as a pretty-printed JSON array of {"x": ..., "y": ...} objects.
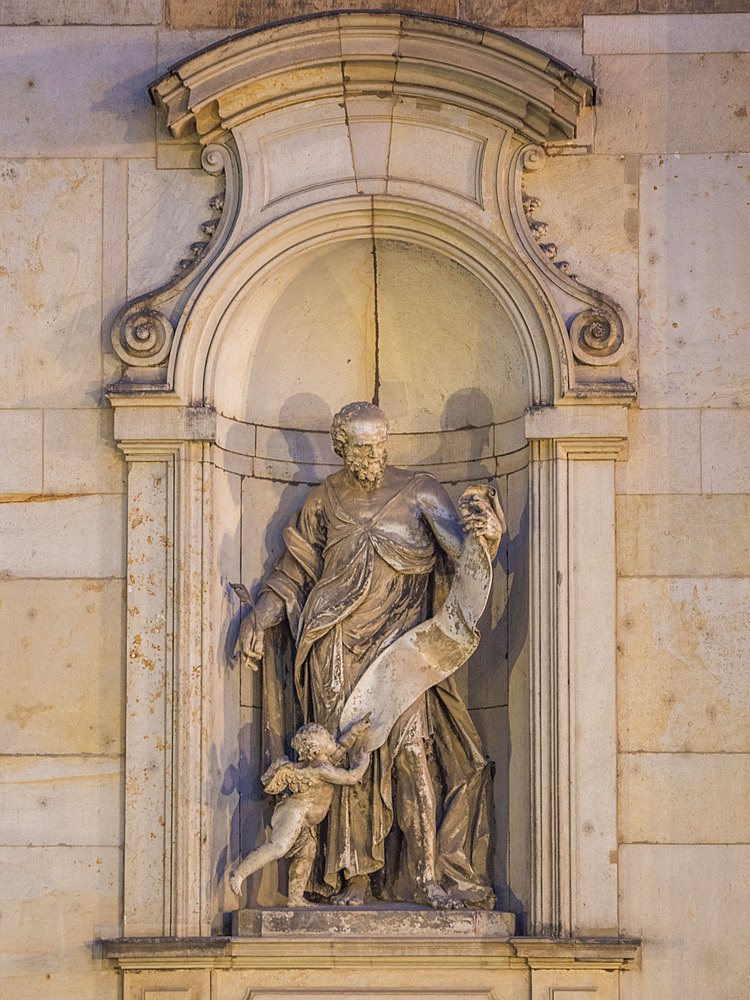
[{"x": 374, "y": 125}]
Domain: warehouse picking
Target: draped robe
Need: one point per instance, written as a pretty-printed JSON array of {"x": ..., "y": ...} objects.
[{"x": 353, "y": 578}]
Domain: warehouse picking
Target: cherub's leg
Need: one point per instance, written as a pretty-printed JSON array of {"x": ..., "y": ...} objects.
[
  {"x": 286, "y": 826},
  {"x": 299, "y": 871}
]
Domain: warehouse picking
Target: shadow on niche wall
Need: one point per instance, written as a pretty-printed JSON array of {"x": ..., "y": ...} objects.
[{"x": 504, "y": 628}]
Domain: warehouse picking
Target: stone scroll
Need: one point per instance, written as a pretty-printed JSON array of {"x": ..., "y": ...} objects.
[{"x": 425, "y": 655}]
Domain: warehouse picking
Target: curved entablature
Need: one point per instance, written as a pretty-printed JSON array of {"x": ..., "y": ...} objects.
[{"x": 374, "y": 54}]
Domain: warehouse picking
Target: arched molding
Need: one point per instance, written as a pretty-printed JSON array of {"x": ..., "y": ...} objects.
[{"x": 206, "y": 323}]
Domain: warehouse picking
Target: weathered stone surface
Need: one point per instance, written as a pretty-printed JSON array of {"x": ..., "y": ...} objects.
[
  {"x": 665, "y": 893},
  {"x": 63, "y": 536},
  {"x": 564, "y": 44},
  {"x": 691, "y": 6},
  {"x": 165, "y": 212},
  {"x": 701, "y": 112},
  {"x": 683, "y": 535},
  {"x": 697, "y": 797},
  {"x": 598, "y": 237},
  {"x": 50, "y": 276},
  {"x": 664, "y": 453},
  {"x": 694, "y": 344},
  {"x": 174, "y": 45},
  {"x": 251, "y": 13},
  {"x": 725, "y": 457},
  {"x": 612, "y": 34},
  {"x": 681, "y": 678},
  {"x": 50, "y": 111},
  {"x": 47, "y": 12},
  {"x": 62, "y": 636},
  {"x": 61, "y": 800},
  {"x": 403, "y": 921},
  {"x": 57, "y": 901},
  {"x": 21, "y": 432},
  {"x": 99, "y": 466},
  {"x": 530, "y": 13}
]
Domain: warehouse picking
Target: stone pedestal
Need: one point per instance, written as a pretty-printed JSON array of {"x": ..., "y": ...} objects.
[{"x": 374, "y": 922}]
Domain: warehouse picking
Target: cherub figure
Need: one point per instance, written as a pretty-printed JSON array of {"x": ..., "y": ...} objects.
[{"x": 307, "y": 787}]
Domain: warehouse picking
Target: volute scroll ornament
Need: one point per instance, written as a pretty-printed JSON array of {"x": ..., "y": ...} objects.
[
  {"x": 596, "y": 337},
  {"x": 142, "y": 336},
  {"x": 143, "y": 330},
  {"x": 598, "y": 332}
]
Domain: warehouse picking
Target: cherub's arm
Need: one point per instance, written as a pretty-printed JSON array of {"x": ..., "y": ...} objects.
[
  {"x": 342, "y": 775},
  {"x": 347, "y": 740}
]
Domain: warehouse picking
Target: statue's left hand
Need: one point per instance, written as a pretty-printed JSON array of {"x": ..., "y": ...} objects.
[{"x": 481, "y": 513}]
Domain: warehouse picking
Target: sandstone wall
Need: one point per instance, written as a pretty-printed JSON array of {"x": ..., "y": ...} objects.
[{"x": 654, "y": 210}]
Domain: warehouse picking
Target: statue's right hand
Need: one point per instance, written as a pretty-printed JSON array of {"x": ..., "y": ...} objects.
[{"x": 250, "y": 641}]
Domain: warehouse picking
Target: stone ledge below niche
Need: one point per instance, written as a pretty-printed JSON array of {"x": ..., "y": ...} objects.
[{"x": 448, "y": 950}]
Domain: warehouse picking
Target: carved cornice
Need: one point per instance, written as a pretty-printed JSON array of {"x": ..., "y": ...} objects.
[
  {"x": 377, "y": 54},
  {"x": 340, "y": 952}
]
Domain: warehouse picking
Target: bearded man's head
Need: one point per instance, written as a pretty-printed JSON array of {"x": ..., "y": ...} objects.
[{"x": 359, "y": 433}]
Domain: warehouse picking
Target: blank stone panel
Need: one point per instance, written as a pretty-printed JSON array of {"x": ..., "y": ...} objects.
[
  {"x": 62, "y": 536},
  {"x": 50, "y": 12},
  {"x": 77, "y": 91},
  {"x": 56, "y": 901},
  {"x": 63, "y": 643},
  {"x": 664, "y": 535},
  {"x": 61, "y": 800},
  {"x": 654, "y": 103},
  {"x": 694, "y": 324},
  {"x": 98, "y": 465},
  {"x": 682, "y": 678},
  {"x": 664, "y": 452},
  {"x": 21, "y": 434},
  {"x": 676, "y": 798},
  {"x": 666, "y": 895},
  {"x": 50, "y": 282},
  {"x": 725, "y": 455}
]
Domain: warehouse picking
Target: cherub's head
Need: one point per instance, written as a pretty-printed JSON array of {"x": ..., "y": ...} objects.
[{"x": 313, "y": 740}]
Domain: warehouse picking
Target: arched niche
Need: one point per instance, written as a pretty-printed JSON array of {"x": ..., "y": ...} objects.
[
  {"x": 222, "y": 408},
  {"x": 357, "y": 318}
]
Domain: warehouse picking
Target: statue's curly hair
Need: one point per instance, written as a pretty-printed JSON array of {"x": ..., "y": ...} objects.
[
  {"x": 350, "y": 414},
  {"x": 308, "y": 737}
]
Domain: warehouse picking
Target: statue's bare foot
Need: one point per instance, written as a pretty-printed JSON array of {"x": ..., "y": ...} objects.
[
  {"x": 235, "y": 883},
  {"x": 297, "y": 903},
  {"x": 438, "y": 898},
  {"x": 353, "y": 893}
]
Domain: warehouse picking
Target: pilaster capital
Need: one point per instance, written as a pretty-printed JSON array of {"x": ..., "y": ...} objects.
[
  {"x": 153, "y": 428},
  {"x": 581, "y": 432}
]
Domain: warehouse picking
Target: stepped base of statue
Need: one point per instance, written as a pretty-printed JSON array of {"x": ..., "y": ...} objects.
[{"x": 385, "y": 921}]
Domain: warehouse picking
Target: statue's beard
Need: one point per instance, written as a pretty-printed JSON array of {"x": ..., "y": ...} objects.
[{"x": 368, "y": 471}]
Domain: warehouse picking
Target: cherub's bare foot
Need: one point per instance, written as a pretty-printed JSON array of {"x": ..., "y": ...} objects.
[
  {"x": 235, "y": 883},
  {"x": 353, "y": 893},
  {"x": 435, "y": 896}
]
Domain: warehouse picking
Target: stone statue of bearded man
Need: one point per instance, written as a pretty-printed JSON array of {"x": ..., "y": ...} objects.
[{"x": 357, "y": 572}]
